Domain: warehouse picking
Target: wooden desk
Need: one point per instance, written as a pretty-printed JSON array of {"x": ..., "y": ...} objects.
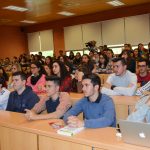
[
  {"x": 21, "y": 134},
  {"x": 123, "y": 104}
]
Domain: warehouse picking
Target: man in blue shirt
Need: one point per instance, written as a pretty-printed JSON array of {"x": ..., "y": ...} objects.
[
  {"x": 22, "y": 97},
  {"x": 98, "y": 109}
]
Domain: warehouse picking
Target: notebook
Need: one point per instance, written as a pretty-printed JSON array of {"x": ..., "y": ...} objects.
[
  {"x": 69, "y": 131},
  {"x": 135, "y": 132}
]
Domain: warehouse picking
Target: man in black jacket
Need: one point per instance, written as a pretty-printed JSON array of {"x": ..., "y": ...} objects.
[{"x": 23, "y": 97}]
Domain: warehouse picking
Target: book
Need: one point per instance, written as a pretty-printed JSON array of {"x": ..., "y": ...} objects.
[{"x": 69, "y": 131}]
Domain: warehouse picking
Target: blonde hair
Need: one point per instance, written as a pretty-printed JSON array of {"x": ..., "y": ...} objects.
[{"x": 18, "y": 66}]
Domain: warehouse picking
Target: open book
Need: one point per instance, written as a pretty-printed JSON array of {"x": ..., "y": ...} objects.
[{"x": 69, "y": 131}]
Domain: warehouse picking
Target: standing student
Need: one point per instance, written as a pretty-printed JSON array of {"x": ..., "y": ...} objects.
[{"x": 98, "y": 109}]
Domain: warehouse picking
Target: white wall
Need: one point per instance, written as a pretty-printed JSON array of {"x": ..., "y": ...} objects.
[
  {"x": 133, "y": 30},
  {"x": 137, "y": 29}
]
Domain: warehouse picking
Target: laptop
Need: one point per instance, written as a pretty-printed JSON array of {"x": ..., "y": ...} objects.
[{"x": 135, "y": 132}]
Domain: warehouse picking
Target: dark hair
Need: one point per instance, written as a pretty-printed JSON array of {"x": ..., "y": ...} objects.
[
  {"x": 95, "y": 79},
  {"x": 105, "y": 62},
  {"x": 39, "y": 65},
  {"x": 63, "y": 71},
  {"x": 143, "y": 60},
  {"x": 123, "y": 61},
  {"x": 2, "y": 81},
  {"x": 21, "y": 74},
  {"x": 4, "y": 74},
  {"x": 53, "y": 78}
]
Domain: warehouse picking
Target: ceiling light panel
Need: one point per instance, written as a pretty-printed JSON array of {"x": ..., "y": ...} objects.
[
  {"x": 65, "y": 13},
  {"x": 15, "y": 8},
  {"x": 28, "y": 21},
  {"x": 115, "y": 3}
]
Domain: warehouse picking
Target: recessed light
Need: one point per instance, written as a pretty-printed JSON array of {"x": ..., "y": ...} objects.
[
  {"x": 15, "y": 8},
  {"x": 65, "y": 13},
  {"x": 115, "y": 3},
  {"x": 28, "y": 21}
]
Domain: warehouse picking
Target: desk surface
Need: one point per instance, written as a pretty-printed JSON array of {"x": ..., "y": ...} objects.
[
  {"x": 122, "y": 100},
  {"x": 103, "y": 138}
]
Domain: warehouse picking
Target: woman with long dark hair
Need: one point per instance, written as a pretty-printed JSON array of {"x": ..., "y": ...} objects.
[
  {"x": 59, "y": 69},
  {"x": 131, "y": 63}
]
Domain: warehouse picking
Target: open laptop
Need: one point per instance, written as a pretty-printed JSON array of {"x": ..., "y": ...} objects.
[{"x": 135, "y": 132}]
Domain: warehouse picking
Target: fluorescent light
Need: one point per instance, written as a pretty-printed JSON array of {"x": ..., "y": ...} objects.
[
  {"x": 15, "y": 8},
  {"x": 65, "y": 13},
  {"x": 115, "y": 3},
  {"x": 28, "y": 21}
]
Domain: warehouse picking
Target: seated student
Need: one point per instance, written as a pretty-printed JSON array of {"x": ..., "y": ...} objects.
[
  {"x": 143, "y": 89},
  {"x": 60, "y": 70},
  {"x": 98, "y": 109},
  {"x": 122, "y": 81},
  {"x": 56, "y": 103},
  {"x": 4, "y": 94},
  {"x": 23, "y": 97},
  {"x": 77, "y": 81},
  {"x": 143, "y": 75},
  {"x": 37, "y": 80},
  {"x": 142, "y": 110}
]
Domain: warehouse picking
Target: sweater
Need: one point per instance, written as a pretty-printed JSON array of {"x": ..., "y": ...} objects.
[
  {"x": 98, "y": 114},
  {"x": 124, "y": 85}
]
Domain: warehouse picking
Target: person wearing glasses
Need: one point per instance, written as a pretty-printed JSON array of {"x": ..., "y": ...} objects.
[
  {"x": 143, "y": 74},
  {"x": 37, "y": 80}
]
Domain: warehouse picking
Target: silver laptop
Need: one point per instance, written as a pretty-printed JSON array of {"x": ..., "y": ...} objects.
[{"x": 135, "y": 132}]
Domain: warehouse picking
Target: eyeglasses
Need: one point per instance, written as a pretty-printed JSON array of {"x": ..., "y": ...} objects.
[{"x": 141, "y": 65}]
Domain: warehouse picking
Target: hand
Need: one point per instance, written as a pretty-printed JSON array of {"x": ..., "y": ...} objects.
[
  {"x": 146, "y": 93},
  {"x": 30, "y": 115},
  {"x": 80, "y": 75},
  {"x": 74, "y": 122}
]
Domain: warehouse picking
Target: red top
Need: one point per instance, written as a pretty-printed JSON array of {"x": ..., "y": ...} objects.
[
  {"x": 66, "y": 84},
  {"x": 143, "y": 80}
]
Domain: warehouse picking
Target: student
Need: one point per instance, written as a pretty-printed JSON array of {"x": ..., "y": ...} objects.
[
  {"x": 37, "y": 80},
  {"x": 56, "y": 103},
  {"x": 14, "y": 68},
  {"x": 122, "y": 81},
  {"x": 98, "y": 109},
  {"x": 142, "y": 107},
  {"x": 142, "y": 110},
  {"x": 143, "y": 75},
  {"x": 4, "y": 94},
  {"x": 60, "y": 70},
  {"x": 23, "y": 97},
  {"x": 143, "y": 89}
]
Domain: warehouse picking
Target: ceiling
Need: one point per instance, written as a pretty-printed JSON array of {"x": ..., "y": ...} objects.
[{"x": 46, "y": 10}]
